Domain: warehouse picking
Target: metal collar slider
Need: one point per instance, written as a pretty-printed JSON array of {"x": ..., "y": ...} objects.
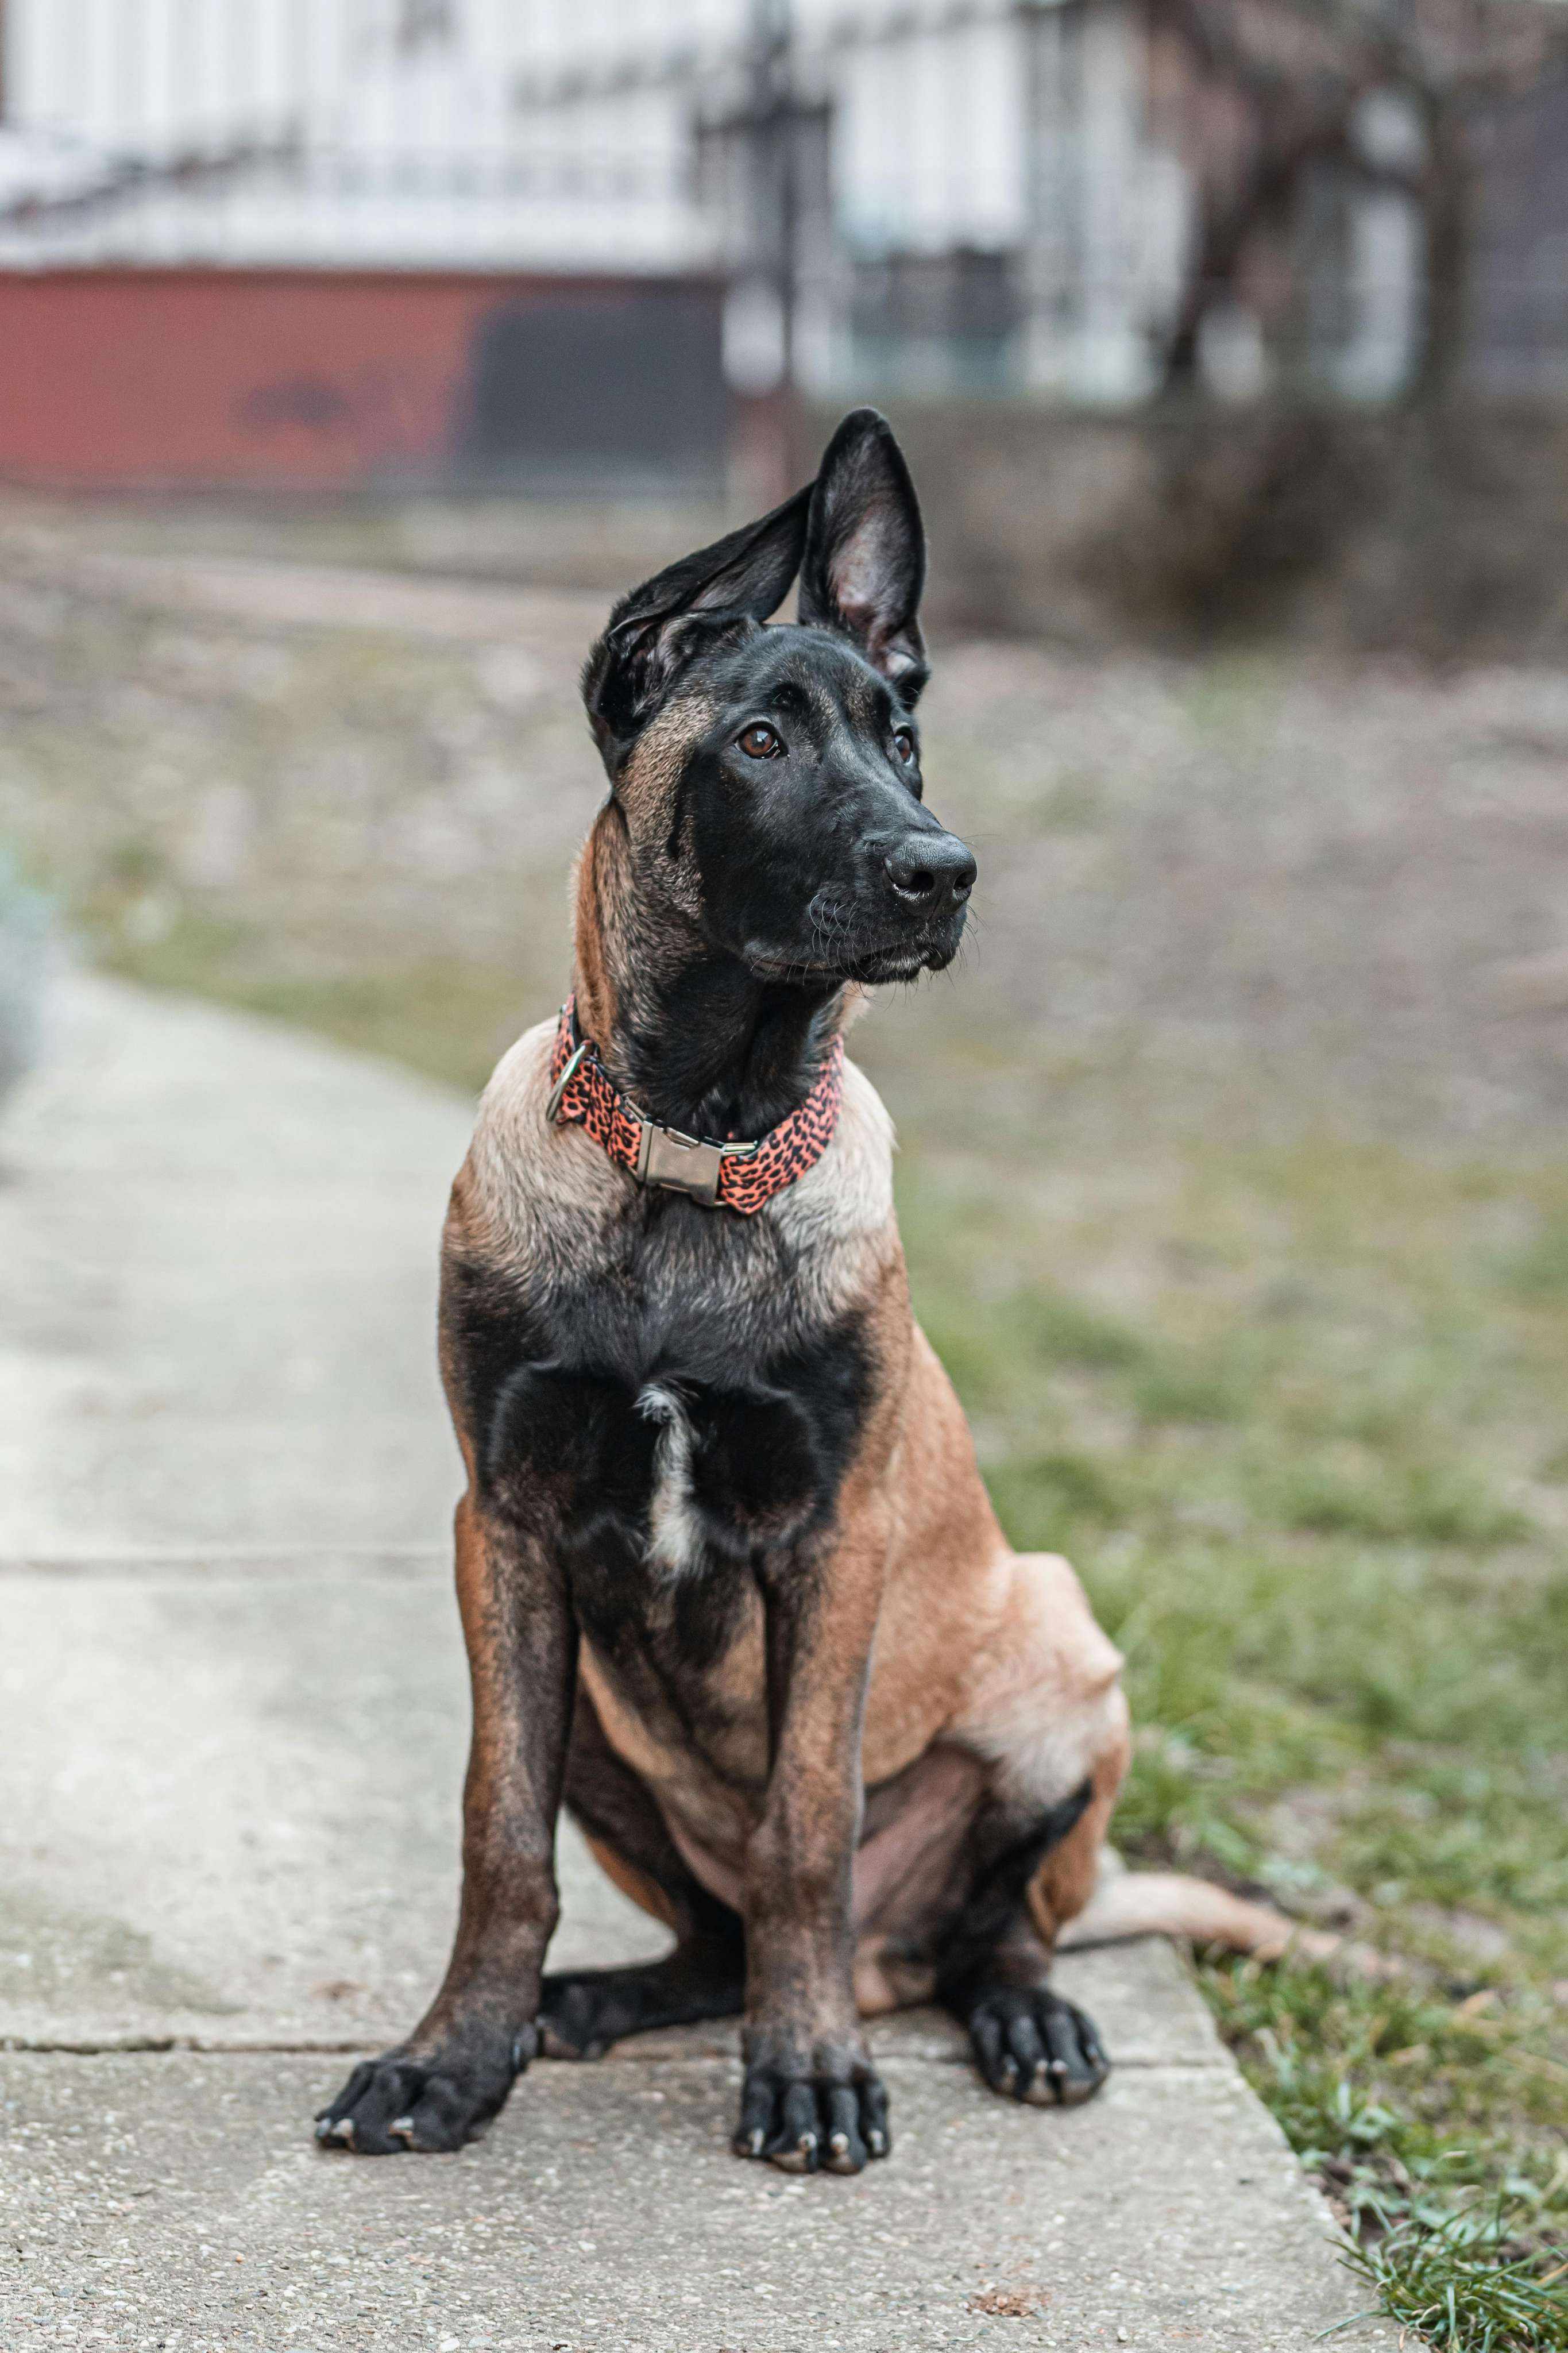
[{"x": 569, "y": 1072}]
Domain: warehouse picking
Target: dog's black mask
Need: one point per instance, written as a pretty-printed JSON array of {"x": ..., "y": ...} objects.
[{"x": 771, "y": 776}]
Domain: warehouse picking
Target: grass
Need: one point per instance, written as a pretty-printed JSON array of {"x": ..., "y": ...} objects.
[
  {"x": 1450, "y": 2276},
  {"x": 1294, "y": 1414}
]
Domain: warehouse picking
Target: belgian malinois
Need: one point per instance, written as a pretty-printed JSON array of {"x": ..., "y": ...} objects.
[{"x": 732, "y": 1589}]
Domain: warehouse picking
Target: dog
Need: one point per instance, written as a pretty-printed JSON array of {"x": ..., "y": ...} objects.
[{"x": 732, "y": 1588}]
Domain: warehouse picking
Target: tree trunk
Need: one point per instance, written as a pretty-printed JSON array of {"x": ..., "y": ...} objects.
[
  {"x": 1449, "y": 191},
  {"x": 1286, "y": 145}
]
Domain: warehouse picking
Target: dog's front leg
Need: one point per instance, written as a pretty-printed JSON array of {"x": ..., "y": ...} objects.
[
  {"x": 810, "y": 2096},
  {"x": 441, "y": 2087}
]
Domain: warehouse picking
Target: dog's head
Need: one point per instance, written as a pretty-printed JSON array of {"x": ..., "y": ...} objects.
[{"x": 770, "y": 777}]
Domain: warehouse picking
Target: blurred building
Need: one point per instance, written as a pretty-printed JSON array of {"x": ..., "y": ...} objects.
[
  {"x": 976, "y": 201},
  {"x": 551, "y": 238}
]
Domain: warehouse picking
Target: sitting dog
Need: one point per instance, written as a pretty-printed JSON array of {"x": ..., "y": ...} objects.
[{"x": 732, "y": 1589}]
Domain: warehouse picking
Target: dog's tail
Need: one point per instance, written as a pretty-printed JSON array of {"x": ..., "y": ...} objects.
[{"x": 1165, "y": 1903}]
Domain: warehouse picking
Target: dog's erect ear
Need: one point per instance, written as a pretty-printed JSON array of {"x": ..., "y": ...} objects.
[
  {"x": 655, "y": 630},
  {"x": 865, "y": 560}
]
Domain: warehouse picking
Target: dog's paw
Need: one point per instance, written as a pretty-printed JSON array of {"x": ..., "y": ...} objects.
[
  {"x": 810, "y": 2122},
  {"x": 399, "y": 2102},
  {"x": 1032, "y": 2046}
]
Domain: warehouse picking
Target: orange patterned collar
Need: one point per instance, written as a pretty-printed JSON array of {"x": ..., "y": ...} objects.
[{"x": 742, "y": 1177}]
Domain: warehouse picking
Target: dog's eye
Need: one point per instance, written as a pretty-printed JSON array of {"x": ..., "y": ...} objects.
[
  {"x": 759, "y": 743},
  {"x": 904, "y": 744}
]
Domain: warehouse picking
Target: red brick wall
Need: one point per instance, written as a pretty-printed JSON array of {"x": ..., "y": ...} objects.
[{"x": 288, "y": 379}]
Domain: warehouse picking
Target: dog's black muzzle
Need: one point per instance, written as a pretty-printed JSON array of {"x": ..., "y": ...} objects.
[
  {"x": 922, "y": 895},
  {"x": 910, "y": 905}
]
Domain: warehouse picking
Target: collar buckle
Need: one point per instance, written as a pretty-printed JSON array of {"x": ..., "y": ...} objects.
[{"x": 681, "y": 1164}]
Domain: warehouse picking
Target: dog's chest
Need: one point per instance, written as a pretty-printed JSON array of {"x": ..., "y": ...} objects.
[
  {"x": 670, "y": 1423},
  {"x": 666, "y": 1496},
  {"x": 674, "y": 1470}
]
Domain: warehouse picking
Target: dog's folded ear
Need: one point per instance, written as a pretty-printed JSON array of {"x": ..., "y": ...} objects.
[
  {"x": 865, "y": 560},
  {"x": 653, "y": 632}
]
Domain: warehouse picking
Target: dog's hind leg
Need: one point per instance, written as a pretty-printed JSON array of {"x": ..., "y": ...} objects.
[
  {"x": 1046, "y": 1713},
  {"x": 583, "y": 2011},
  {"x": 994, "y": 1963}
]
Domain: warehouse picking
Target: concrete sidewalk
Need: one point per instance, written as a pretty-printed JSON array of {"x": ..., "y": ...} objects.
[{"x": 232, "y": 1690}]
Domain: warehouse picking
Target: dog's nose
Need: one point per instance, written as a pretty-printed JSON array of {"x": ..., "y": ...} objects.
[{"x": 930, "y": 872}]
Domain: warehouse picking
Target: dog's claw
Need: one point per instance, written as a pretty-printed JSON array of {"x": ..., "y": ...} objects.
[{"x": 800, "y": 2158}]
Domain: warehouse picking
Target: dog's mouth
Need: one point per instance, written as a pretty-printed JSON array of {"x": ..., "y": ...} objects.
[
  {"x": 850, "y": 954},
  {"x": 905, "y": 961}
]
